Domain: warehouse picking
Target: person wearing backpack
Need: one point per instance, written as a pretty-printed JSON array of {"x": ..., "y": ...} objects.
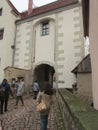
[
  {"x": 5, "y": 97},
  {"x": 2, "y": 95}
]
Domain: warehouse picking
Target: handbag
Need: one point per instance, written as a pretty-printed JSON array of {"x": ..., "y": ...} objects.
[{"x": 41, "y": 107}]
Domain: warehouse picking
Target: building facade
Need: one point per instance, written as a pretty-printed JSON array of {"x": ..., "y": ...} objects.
[
  {"x": 7, "y": 32},
  {"x": 83, "y": 74},
  {"x": 93, "y": 35},
  {"x": 48, "y": 40}
]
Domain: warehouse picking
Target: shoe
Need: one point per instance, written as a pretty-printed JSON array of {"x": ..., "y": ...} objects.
[
  {"x": 16, "y": 106},
  {"x": 5, "y": 110},
  {"x": 1, "y": 112},
  {"x": 34, "y": 98}
]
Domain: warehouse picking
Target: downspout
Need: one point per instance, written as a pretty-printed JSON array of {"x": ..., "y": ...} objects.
[
  {"x": 56, "y": 51},
  {"x": 13, "y": 47}
]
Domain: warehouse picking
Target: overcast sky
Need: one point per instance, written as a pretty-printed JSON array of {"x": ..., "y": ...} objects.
[{"x": 22, "y": 5}]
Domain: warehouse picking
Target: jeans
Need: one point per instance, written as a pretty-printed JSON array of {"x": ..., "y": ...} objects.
[
  {"x": 43, "y": 122},
  {"x": 19, "y": 98}
]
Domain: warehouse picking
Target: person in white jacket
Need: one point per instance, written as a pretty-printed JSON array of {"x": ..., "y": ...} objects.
[{"x": 20, "y": 89}]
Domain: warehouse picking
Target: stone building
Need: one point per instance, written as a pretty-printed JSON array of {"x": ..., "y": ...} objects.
[
  {"x": 13, "y": 73},
  {"x": 43, "y": 40},
  {"x": 93, "y": 35},
  {"x": 84, "y": 79},
  {"x": 8, "y": 15}
]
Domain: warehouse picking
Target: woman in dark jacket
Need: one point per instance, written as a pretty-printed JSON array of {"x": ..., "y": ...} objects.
[
  {"x": 45, "y": 96},
  {"x": 4, "y": 100}
]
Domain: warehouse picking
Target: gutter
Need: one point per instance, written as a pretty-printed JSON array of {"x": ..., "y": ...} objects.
[{"x": 41, "y": 12}]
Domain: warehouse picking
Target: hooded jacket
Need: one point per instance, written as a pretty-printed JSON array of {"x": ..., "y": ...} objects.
[{"x": 8, "y": 90}]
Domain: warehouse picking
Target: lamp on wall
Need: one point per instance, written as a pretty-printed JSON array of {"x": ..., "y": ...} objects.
[{"x": 13, "y": 46}]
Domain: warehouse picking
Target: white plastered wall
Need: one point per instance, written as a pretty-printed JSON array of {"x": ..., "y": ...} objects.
[
  {"x": 7, "y": 22},
  {"x": 93, "y": 35},
  {"x": 44, "y": 45},
  {"x": 70, "y": 45},
  {"x": 63, "y": 47}
]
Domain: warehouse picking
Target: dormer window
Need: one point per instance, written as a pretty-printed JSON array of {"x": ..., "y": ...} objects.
[
  {"x": 45, "y": 28},
  {"x": 1, "y": 33},
  {"x": 1, "y": 12}
]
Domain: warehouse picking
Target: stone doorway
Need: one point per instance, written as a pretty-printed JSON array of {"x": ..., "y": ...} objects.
[{"x": 43, "y": 73}]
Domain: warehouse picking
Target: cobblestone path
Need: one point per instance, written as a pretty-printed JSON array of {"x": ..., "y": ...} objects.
[{"x": 24, "y": 117}]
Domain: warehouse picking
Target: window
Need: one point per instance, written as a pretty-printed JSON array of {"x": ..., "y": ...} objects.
[
  {"x": 1, "y": 34},
  {"x": 45, "y": 28},
  {"x": 0, "y": 11}
]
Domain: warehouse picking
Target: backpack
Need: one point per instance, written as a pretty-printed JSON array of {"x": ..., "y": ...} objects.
[{"x": 2, "y": 91}]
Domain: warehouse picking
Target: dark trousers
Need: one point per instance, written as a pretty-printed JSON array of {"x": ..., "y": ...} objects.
[
  {"x": 35, "y": 94},
  {"x": 19, "y": 98},
  {"x": 4, "y": 103},
  {"x": 1, "y": 105}
]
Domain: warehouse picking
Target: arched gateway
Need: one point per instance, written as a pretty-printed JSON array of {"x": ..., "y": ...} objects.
[{"x": 43, "y": 73}]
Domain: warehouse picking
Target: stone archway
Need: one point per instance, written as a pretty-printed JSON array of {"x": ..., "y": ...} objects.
[{"x": 43, "y": 73}]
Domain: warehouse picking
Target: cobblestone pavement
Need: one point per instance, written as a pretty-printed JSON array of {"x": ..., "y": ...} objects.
[{"x": 24, "y": 117}]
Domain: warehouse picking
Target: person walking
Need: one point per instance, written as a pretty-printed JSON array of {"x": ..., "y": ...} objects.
[
  {"x": 46, "y": 97},
  {"x": 35, "y": 88},
  {"x": 2, "y": 95},
  {"x": 4, "y": 98},
  {"x": 0, "y": 125},
  {"x": 19, "y": 92}
]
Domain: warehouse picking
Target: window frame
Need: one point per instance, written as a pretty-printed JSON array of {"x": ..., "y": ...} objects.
[
  {"x": 45, "y": 28},
  {"x": 1, "y": 33},
  {"x": 0, "y": 11}
]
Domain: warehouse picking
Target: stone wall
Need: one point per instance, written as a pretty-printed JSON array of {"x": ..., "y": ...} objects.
[
  {"x": 12, "y": 72},
  {"x": 84, "y": 85},
  {"x": 76, "y": 114}
]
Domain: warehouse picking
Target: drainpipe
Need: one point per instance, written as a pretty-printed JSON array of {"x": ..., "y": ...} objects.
[{"x": 13, "y": 47}]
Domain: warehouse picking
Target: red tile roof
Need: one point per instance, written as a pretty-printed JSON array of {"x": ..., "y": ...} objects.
[
  {"x": 52, "y": 6},
  {"x": 43, "y": 9},
  {"x": 84, "y": 65},
  {"x": 13, "y": 7},
  {"x": 48, "y": 7}
]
